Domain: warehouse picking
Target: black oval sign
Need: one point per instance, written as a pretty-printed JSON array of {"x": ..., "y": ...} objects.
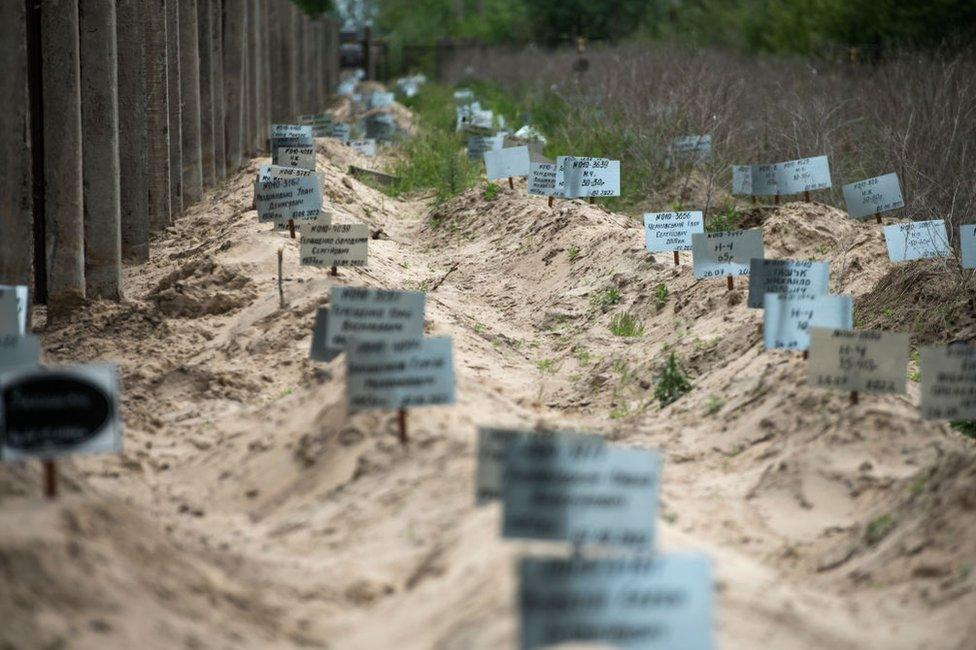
[{"x": 53, "y": 412}]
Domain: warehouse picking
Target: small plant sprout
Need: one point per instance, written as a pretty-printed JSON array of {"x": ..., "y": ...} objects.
[
  {"x": 660, "y": 296},
  {"x": 714, "y": 404},
  {"x": 582, "y": 356},
  {"x": 491, "y": 191},
  {"x": 624, "y": 324},
  {"x": 878, "y": 529},
  {"x": 573, "y": 252},
  {"x": 606, "y": 299},
  {"x": 672, "y": 383}
]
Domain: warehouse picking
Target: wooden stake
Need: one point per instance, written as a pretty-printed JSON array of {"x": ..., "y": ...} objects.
[
  {"x": 731, "y": 282},
  {"x": 335, "y": 270},
  {"x": 511, "y": 183},
  {"x": 550, "y": 201},
  {"x": 677, "y": 259},
  {"x": 806, "y": 354},
  {"x": 291, "y": 227},
  {"x": 755, "y": 201},
  {"x": 281, "y": 278},
  {"x": 776, "y": 200},
  {"x": 854, "y": 398},
  {"x": 50, "y": 479},
  {"x": 877, "y": 217},
  {"x": 402, "y": 422},
  {"x": 591, "y": 200},
  {"x": 806, "y": 196}
]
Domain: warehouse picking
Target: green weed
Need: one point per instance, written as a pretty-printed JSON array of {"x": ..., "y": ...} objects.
[
  {"x": 660, "y": 296},
  {"x": 624, "y": 324},
  {"x": 672, "y": 383},
  {"x": 606, "y": 299}
]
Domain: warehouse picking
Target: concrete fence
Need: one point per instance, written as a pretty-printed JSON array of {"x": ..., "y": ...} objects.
[{"x": 119, "y": 114}]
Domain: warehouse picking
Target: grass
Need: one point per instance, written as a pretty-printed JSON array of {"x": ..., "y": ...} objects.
[
  {"x": 624, "y": 324},
  {"x": 878, "y": 529},
  {"x": 965, "y": 427},
  {"x": 660, "y": 296},
  {"x": 606, "y": 298},
  {"x": 573, "y": 252},
  {"x": 672, "y": 382},
  {"x": 582, "y": 356},
  {"x": 714, "y": 404},
  {"x": 491, "y": 191},
  {"x": 547, "y": 366}
]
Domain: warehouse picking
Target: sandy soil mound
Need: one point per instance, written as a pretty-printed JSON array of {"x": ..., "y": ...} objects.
[{"x": 249, "y": 509}]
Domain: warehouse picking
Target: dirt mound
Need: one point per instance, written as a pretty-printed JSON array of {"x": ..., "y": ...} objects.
[
  {"x": 94, "y": 573},
  {"x": 202, "y": 287},
  {"x": 933, "y": 300}
]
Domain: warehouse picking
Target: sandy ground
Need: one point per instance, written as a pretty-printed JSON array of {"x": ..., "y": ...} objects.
[{"x": 249, "y": 510}]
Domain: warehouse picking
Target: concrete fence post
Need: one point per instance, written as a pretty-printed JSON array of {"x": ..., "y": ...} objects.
[
  {"x": 100, "y": 148},
  {"x": 175, "y": 108},
  {"x": 190, "y": 96},
  {"x": 234, "y": 24},
  {"x": 157, "y": 114},
  {"x": 205, "y": 45}
]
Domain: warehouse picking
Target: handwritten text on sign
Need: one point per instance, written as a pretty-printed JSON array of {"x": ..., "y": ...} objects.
[
  {"x": 478, "y": 145},
  {"x": 340, "y": 132},
  {"x": 916, "y": 240},
  {"x": 786, "y": 277},
  {"x": 725, "y": 253},
  {"x": 948, "y": 382},
  {"x": 586, "y": 494},
  {"x": 374, "y": 315},
  {"x": 873, "y": 195},
  {"x": 542, "y": 179},
  {"x": 507, "y": 163},
  {"x": 16, "y": 351},
  {"x": 582, "y": 177},
  {"x": 282, "y": 199},
  {"x": 787, "y": 320},
  {"x": 50, "y": 412},
  {"x": 299, "y": 157},
  {"x": 689, "y": 149},
  {"x": 336, "y": 245},
  {"x": 365, "y": 147},
  {"x": 671, "y": 231},
  {"x": 275, "y": 172},
  {"x": 664, "y": 602},
  {"x": 493, "y": 445},
  {"x": 742, "y": 180},
  {"x": 803, "y": 175},
  {"x": 866, "y": 362},
  {"x": 289, "y": 135},
  {"x": 967, "y": 244},
  {"x": 399, "y": 374}
]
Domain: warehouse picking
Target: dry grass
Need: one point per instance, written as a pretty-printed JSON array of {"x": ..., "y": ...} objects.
[{"x": 913, "y": 114}]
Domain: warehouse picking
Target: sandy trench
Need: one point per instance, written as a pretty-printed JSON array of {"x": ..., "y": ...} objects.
[{"x": 249, "y": 510}]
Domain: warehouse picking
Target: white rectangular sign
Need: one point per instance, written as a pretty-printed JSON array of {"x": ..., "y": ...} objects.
[
  {"x": 589, "y": 494},
  {"x": 478, "y": 145},
  {"x": 671, "y": 231},
  {"x": 16, "y": 351},
  {"x": 289, "y": 135},
  {"x": 787, "y": 320},
  {"x": 542, "y": 179},
  {"x": 718, "y": 254},
  {"x": 365, "y": 147},
  {"x": 320, "y": 351},
  {"x": 967, "y": 244},
  {"x": 507, "y": 163},
  {"x": 866, "y": 362},
  {"x": 492, "y": 447},
  {"x": 764, "y": 180},
  {"x": 279, "y": 200},
  {"x": 742, "y": 180},
  {"x": 948, "y": 382},
  {"x": 583, "y": 177},
  {"x": 790, "y": 278},
  {"x": 641, "y": 603},
  {"x": 343, "y": 244},
  {"x": 298, "y": 157},
  {"x": 399, "y": 374},
  {"x": 381, "y": 99},
  {"x": 917, "y": 240},
  {"x": 690, "y": 150},
  {"x": 873, "y": 196},
  {"x": 374, "y": 315},
  {"x": 803, "y": 175},
  {"x": 340, "y": 132},
  {"x": 13, "y": 309},
  {"x": 51, "y": 412}
]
